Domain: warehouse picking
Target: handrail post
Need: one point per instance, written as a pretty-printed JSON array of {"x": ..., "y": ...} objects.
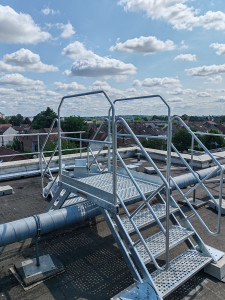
[
  {"x": 168, "y": 188},
  {"x": 80, "y": 143},
  {"x": 59, "y": 145}
]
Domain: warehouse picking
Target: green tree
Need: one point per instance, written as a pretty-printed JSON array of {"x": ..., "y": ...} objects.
[
  {"x": 137, "y": 118},
  {"x": 74, "y": 123},
  {"x": 66, "y": 144},
  {"x": 154, "y": 144},
  {"x": 17, "y": 145},
  {"x": 44, "y": 119},
  {"x": 2, "y": 121},
  {"x": 213, "y": 142},
  {"x": 182, "y": 140},
  {"x": 16, "y": 120},
  {"x": 27, "y": 121}
]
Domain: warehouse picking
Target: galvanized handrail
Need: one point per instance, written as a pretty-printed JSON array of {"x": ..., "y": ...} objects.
[
  {"x": 114, "y": 141},
  {"x": 201, "y": 182},
  {"x": 140, "y": 236},
  {"x": 165, "y": 184},
  {"x": 169, "y": 138},
  {"x": 55, "y": 120}
]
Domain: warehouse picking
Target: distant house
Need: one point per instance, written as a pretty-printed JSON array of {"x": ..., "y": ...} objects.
[
  {"x": 13, "y": 155},
  {"x": 210, "y": 124},
  {"x": 2, "y": 116},
  {"x": 30, "y": 142},
  {"x": 6, "y": 129}
]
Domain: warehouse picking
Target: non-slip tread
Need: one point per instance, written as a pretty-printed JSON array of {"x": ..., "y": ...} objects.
[
  {"x": 180, "y": 270},
  {"x": 144, "y": 217},
  {"x": 157, "y": 242}
]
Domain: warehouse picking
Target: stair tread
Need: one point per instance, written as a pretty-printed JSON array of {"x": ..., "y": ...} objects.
[
  {"x": 180, "y": 270},
  {"x": 156, "y": 243},
  {"x": 144, "y": 217}
]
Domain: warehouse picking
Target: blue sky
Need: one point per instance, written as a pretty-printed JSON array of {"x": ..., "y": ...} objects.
[{"x": 49, "y": 49}]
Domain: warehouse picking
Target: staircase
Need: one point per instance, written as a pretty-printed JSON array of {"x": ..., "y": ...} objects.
[{"x": 115, "y": 190}]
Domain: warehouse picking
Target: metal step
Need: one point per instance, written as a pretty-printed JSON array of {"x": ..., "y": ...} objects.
[
  {"x": 157, "y": 242},
  {"x": 180, "y": 270},
  {"x": 144, "y": 217}
]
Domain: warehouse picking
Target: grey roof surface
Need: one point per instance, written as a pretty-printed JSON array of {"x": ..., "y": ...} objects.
[{"x": 94, "y": 267}]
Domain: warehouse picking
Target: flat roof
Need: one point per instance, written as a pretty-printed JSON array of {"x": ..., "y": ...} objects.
[{"x": 94, "y": 267}]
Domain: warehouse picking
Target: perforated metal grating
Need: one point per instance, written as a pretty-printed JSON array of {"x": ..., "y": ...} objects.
[
  {"x": 145, "y": 217},
  {"x": 157, "y": 242},
  {"x": 125, "y": 187},
  {"x": 73, "y": 201},
  {"x": 180, "y": 270}
]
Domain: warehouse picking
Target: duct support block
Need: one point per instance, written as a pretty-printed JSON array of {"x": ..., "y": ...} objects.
[
  {"x": 217, "y": 269},
  {"x": 30, "y": 273},
  {"x": 6, "y": 190},
  {"x": 213, "y": 206},
  {"x": 196, "y": 203}
]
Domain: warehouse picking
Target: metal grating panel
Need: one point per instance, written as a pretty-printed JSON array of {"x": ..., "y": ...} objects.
[
  {"x": 157, "y": 242},
  {"x": 73, "y": 201},
  {"x": 144, "y": 217},
  {"x": 125, "y": 187},
  {"x": 180, "y": 270}
]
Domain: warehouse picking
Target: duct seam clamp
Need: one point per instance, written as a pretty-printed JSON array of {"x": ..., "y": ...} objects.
[{"x": 37, "y": 220}]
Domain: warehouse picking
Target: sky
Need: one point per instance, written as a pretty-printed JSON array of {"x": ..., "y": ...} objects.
[{"x": 50, "y": 49}]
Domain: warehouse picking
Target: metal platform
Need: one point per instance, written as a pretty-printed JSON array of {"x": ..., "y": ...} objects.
[
  {"x": 99, "y": 188},
  {"x": 157, "y": 242},
  {"x": 181, "y": 269},
  {"x": 125, "y": 187},
  {"x": 144, "y": 217}
]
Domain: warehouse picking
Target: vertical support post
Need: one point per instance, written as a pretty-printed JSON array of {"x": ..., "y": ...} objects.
[
  {"x": 80, "y": 143},
  {"x": 114, "y": 155},
  {"x": 168, "y": 190},
  {"x": 60, "y": 142},
  {"x": 37, "y": 252},
  {"x": 88, "y": 158},
  {"x": 192, "y": 149},
  {"x": 109, "y": 140}
]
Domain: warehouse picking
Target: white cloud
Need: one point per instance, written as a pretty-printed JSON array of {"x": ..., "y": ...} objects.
[
  {"x": 219, "y": 47},
  {"x": 203, "y": 94},
  {"x": 68, "y": 30},
  {"x": 177, "y": 13},
  {"x": 206, "y": 70},
  {"x": 215, "y": 79},
  {"x": 23, "y": 60},
  {"x": 73, "y": 86},
  {"x": 48, "y": 11},
  {"x": 179, "y": 91},
  {"x": 157, "y": 82},
  {"x": 144, "y": 44},
  {"x": 89, "y": 64},
  {"x": 21, "y": 82},
  {"x": 186, "y": 57},
  {"x": 19, "y": 28}
]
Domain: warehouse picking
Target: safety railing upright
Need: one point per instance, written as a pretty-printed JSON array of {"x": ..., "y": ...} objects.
[
  {"x": 166, "y": 180},
  {"x": 200, "y": 182},
  {"x": 113, "y": 142},
  {"x": 47, "y": 170},
  {"x": 89, "y": 149}
]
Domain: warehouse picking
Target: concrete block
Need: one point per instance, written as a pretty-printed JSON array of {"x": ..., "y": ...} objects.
[
  {"x": 216, "y": 270},
  {"x": 6, "y": 190},
  {"x": 213, "y": 206}
]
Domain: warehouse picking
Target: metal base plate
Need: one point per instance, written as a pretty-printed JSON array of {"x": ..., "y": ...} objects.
[
  {"x": 30, "y": 273},
  {"x": 197, "y": 203},
  {"x": 216, "y": 254}
]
